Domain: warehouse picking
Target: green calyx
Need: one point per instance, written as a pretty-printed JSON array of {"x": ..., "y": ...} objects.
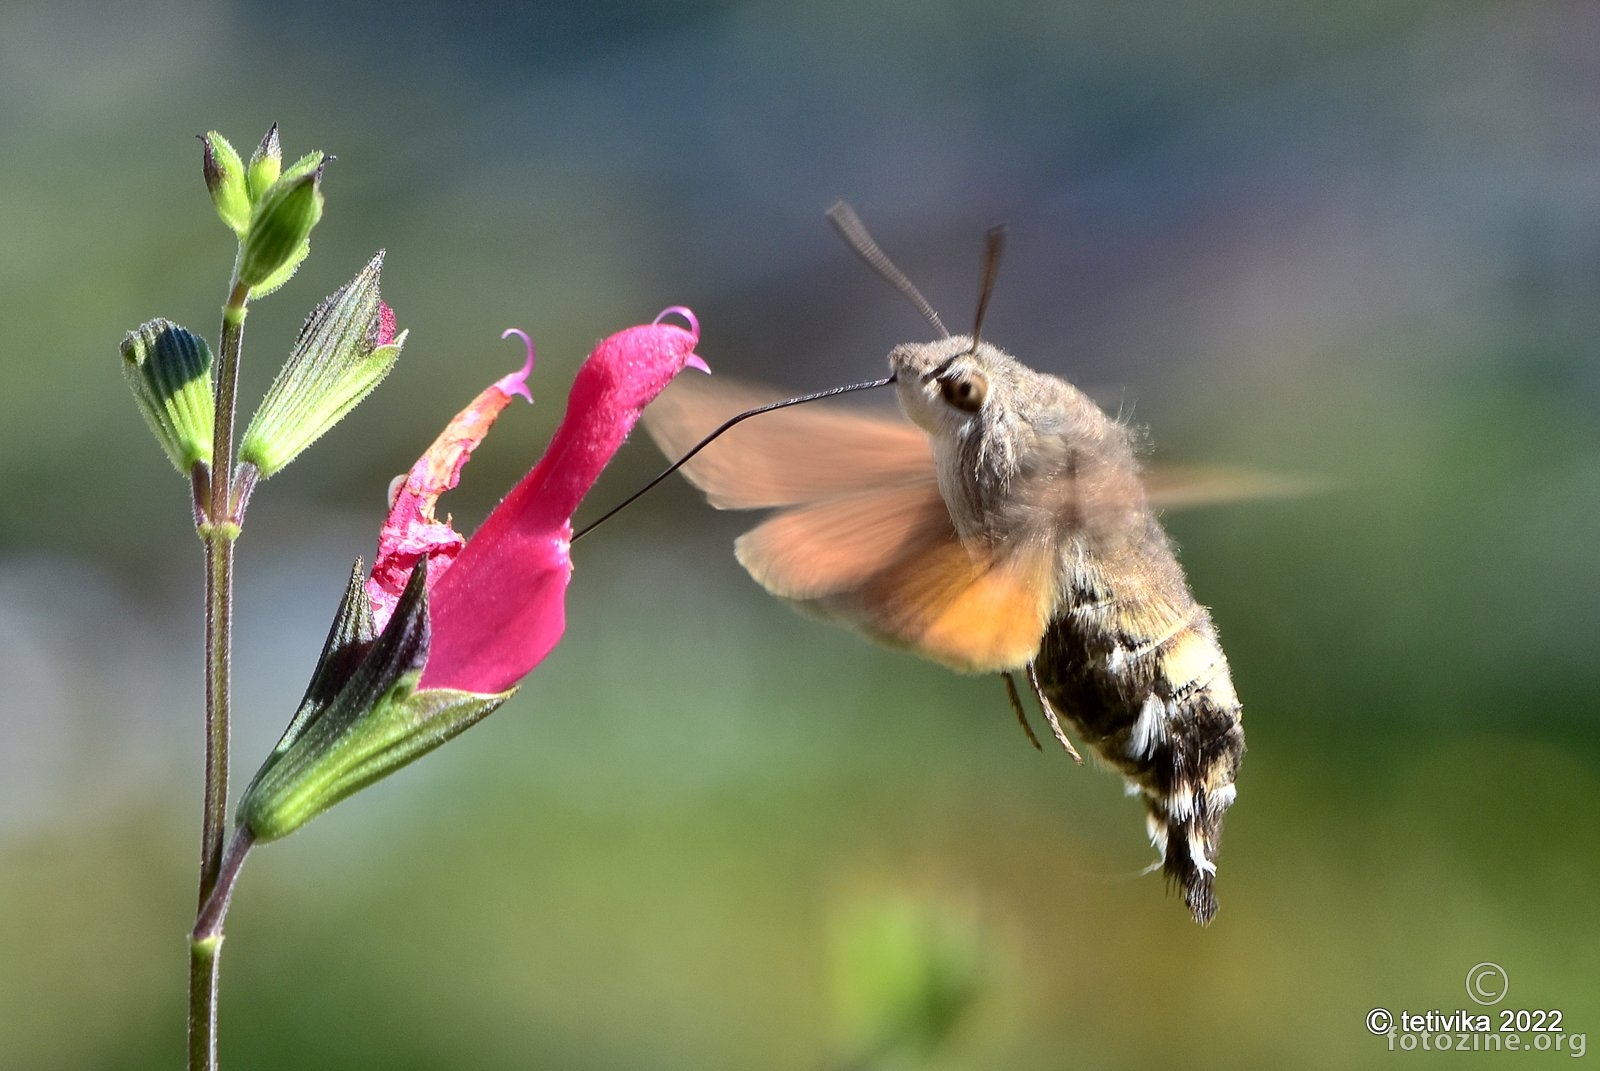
[
  {"x": 169, "y": 370},
  {"x": 344, "y": 350},
  {"x": 266, "y": 164},
  {"x": 279, "y": 235},
  {"x": 362, "y": 717},
  {"x": 226, "y": 181}
]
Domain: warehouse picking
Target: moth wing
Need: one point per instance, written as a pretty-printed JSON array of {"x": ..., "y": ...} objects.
[
  {"x": 828, "y": 548},
  {"x": 1169, "y": 486},
  {"x": 890, "y": 563},
  {"x": 866, "y": 538},
  {"x": 976, "y": 613},
  {"x": 804, "y": 454}
]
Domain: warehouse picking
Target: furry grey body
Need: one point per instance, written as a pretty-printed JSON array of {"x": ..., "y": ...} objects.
[{"x": 1128, "y": 656}]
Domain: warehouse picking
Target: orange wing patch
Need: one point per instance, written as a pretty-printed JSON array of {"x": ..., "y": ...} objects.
[
  {"x": 891, "y": 564},
  {"x": 973, "y": 612}
]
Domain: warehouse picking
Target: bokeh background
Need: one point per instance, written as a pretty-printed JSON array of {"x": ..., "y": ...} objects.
[{"x": 1357, "y": 243}]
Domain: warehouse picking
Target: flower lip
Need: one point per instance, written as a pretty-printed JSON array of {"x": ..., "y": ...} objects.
[{"x": 412, "y": 532}]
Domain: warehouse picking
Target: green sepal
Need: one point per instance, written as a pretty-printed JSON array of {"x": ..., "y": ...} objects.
[
  {"x": 266, "y": 164},
  {"x": 342, "y": 353},
  {"x": 169, "y": 371},
  {"x": 284, "y": 273},
  {"x": 226, "y": 181},
  {"x": 362, "y": 717},
  {"x": 280, "y": 226}
]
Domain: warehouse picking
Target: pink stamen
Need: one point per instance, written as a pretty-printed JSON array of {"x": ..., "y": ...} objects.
[
  {"x": 517, "y": 382},
  {"x": 688, "y": 315}
]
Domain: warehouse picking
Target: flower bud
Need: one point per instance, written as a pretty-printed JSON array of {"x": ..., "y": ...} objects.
[
  {"x": 265, "y": 164},
  {"x": 280, "y": 227},
  {"x": 225, "y": 179},
  {"x": 169, "y": 371},
  {"x": 347, "y": 346},
  {"x": 361, "y": 718}
]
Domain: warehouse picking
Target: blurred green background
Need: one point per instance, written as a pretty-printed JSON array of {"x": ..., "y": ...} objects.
[{"x": 1356, "y": 242}]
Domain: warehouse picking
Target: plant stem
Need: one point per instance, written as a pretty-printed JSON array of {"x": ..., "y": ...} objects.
[
  {"x": 205, "y": 949},
  {"x": 219, "y": 642},
  {"x": 218, "y": 530},
  {"x": 203, "y": 1002}
]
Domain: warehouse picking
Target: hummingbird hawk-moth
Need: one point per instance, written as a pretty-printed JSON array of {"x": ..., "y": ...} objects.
[{"x": 1004, "y": 525}]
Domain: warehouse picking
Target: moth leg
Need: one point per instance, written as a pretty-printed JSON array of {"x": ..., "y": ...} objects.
[
  {"x": 1016, "y": 707},
  {"x": 1050, "y": 714}
]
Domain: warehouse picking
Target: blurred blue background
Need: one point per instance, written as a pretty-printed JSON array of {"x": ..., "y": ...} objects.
[{"x": 1358, "y": 243}]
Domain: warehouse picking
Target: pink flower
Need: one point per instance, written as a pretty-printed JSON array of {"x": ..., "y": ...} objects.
[{"x": 496, "y": 602}]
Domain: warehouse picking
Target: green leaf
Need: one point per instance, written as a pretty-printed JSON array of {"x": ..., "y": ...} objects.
[
  {"x": 169, "y": 370},
  {"x": 344, "y": 350}
]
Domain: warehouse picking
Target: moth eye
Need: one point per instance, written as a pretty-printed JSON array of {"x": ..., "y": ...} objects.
[{"x": 966, "y": 390}]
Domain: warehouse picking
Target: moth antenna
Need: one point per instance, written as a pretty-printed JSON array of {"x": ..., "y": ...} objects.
[
  {"x": 854, "y": 232},
  {"x": 709, "y": 439},
  {"x": 994, "y": 246}
]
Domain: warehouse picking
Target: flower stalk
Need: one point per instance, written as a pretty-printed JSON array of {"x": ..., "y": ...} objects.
[{"x": 218, "y": 529}]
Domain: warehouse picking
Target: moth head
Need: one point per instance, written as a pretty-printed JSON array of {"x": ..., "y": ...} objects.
[{"x": 948, "y": 387}]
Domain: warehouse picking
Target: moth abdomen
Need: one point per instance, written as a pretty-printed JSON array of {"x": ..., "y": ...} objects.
[
  {"x": 1189, "y": 785},
  {"x": 1146, "y": 685}
]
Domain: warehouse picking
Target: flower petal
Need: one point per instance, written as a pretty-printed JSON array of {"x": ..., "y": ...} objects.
[
  {"x": 411, "y": 532},
  {"x": 500, "y": 607}
]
